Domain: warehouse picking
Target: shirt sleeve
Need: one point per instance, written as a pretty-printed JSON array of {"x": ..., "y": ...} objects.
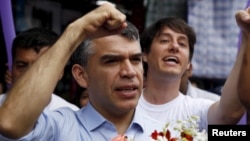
[{"x": 44, "y": 130}]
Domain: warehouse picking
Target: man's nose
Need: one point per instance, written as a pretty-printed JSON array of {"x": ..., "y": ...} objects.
[
  {"x": 127, "y": 69},
  {"x": 174, "y": 47}
]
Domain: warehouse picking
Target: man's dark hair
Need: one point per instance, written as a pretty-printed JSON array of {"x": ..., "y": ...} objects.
[{"x": 34, "y": 38}]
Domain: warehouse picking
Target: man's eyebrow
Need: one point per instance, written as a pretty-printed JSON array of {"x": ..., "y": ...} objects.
[
  {"x": 117, "y": 56},
  {"x": 136, "y": 55},
  {"x": 109, "y": 56}
]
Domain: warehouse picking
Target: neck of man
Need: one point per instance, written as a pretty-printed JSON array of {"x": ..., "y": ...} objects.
[
  {"x": 161, "y": 90},
  {"x": 122, "y": 122}
]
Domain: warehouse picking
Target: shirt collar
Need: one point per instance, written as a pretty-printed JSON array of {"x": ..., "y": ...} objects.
[{"x": 91, "y": 119}]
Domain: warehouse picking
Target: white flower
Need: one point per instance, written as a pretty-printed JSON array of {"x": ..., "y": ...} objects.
[
  {"x": 185, "y": 131},
  {"x": 181, "y": 131}
]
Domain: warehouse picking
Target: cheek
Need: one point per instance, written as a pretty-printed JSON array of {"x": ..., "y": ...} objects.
[
  {"x": 15, "y": 74},
  {"x": 186, "y": 52},
  {"x": 14, "y": 77},
  {"x": 155, "y": 51},
  {"x": 101, "y": 79},
  {"x": 185, "y": 55}
]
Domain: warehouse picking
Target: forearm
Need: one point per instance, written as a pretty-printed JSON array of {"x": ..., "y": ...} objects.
[
  {"x": 230, "y": 103},
  {"x": 32, "y": 92},
  {"x": 244, "y": 78},
  {"x": 230, "y": 108}
]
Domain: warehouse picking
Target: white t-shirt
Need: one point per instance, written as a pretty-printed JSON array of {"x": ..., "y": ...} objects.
[
  {"x": 180, "y": 108},
  {"x": 55, "y": 103},
  {"x": 200, "y": 93}
]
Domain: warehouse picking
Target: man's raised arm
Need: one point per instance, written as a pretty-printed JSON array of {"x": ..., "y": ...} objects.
[
  {"x": 230, "y": 109},
  {"x": 31, "y": 93},
  {"x": 243, "y": 20}
]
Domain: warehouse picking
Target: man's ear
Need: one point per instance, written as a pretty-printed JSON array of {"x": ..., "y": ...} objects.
[{"x": 80, "y": 75}]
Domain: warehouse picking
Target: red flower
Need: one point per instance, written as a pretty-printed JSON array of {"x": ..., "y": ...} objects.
[
  {"x": 154, "y": 135},
  {"x": 167, "y": 135},
  {"x": 187, "y": 136}
]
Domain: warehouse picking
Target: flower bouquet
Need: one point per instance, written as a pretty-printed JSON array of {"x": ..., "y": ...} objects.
[{"x": 184, "y": 130}]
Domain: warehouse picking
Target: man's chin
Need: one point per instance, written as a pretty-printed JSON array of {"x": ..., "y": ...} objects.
[{"x": 129, "y": 106}]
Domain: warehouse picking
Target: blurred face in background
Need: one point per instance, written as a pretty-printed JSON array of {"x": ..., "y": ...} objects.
[{"x": 23, "y": 59}]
